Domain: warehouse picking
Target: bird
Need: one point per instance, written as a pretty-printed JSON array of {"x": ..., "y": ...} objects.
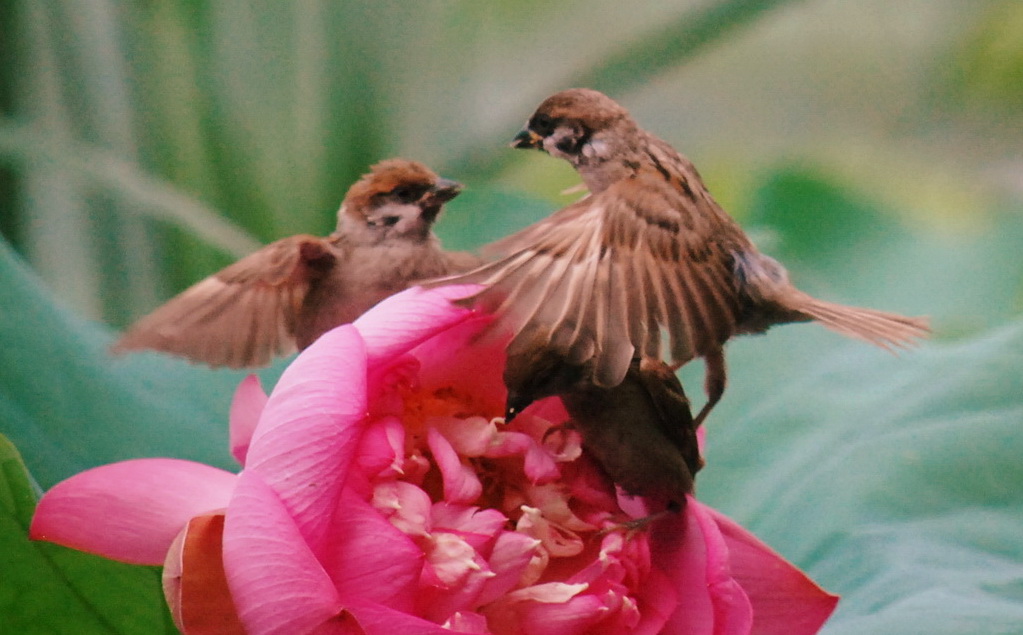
[
  {"x": 282, "y": 297},
  {"x": 641, "y": 432},
  {"x": 647, "y": 252}
]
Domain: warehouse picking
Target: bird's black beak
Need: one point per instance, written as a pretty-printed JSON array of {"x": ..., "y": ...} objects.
[
  {"x": 515, "y": 405},
  {"x": 527, "y": 139},
  {"x": 445, "y": 190},
  {"x": 510, "y": 414},
  {"x": 436, "y": 196}
]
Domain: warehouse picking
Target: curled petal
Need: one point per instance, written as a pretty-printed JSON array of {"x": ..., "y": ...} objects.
[
  {"x": 126, "y": 511},
  {"x": 371, "y": 559},
  {"x": 277, "y": 583},
  {"x": 509, "y": 559},
  {"x": 450, "y": 559},
  {"x": 470, "y": 436},
  {"x": 557, "y": 541},
  {"x": 710, "y": 601},
  {"x": 246, "y": 408},
  {"x": 453, "y": 578},
  {"x": 539, "y": 465},
  {"x": 480, "y": 527},
  {"x": 194, "y": 581},
  {"x": 406, "y": 506},
  {"x": 553, "y": 608},
  {"x": 552, "y": 501},
  {"x": 311, "y": 428},
  {"x": 382, "y": 451},
  {"x": 460, "y": 482},
  {"x": 402, "y": 321}
]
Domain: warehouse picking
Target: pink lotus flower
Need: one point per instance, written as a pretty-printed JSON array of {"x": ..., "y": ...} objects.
[{"x": 379, "y": 495}]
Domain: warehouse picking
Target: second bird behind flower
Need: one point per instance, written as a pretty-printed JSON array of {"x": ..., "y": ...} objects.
[
  {"x": 648, "y": 249},
  {"x": 641, "y": 432},
  {"x": 290, "y": 292}
]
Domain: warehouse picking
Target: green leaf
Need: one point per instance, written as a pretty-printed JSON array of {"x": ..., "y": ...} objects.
[
  {"x": 69, "y": 405},
  {"x": 50, "y": 589},
  {"x": 839, "y": 245},
  {"x": 481, "y": 215},
  {"x": 895, "y": 481}
]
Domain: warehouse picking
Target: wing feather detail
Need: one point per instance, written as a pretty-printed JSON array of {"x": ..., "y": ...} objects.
[
  {"x": 605, "y": 277},
  {"x": 243, "y": 316}
]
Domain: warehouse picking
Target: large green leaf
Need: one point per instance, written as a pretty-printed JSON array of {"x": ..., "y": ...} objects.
[
  {"x": 840, "y": 245},
  {"x": 896, "y": 481},
  {"x": 68, "y": 405},
  {"x": 50, "y": 589}
]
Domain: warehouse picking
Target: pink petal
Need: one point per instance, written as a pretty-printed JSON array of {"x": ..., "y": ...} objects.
[
  {"x": 460, "y": 482},
  {"x": 382, "y": 450},
  {"x": 511, "y": 555},
  {"x": 539, "y": 466},
  {"x": 634, "y": 506},
  {"x": 380, "y": 620},
  {"x": 480, "y": 527},
  {"x": 246, "y": 407},
  {"x": 685, "y": 563},
  {"x": 550, "y": 409},
  {"x": 276, "y": 581},
  {"x": 468, "y": 622},
  {"x": 454, "y": 359},
  {"x": 402, "y": 321},
  {"x": 404, "y": 505},
  {"x": 311, "y": 428},
  {"x": 785, "y": 600},
  {"x": 470, "y": 436},
  {"x": 132, "y": 510},
  {"x": 452, "y": 579},
  {"x": 194, "y": 582},
  {"x": 657, "y": 599},
  {"x": 370, "y": 559},
  {"x": 546, "y": 609},
  {"x": 450, "y": 560}
]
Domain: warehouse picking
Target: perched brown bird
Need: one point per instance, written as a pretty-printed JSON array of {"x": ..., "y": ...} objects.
[
  {"x": 648, "y": 249},
  {"x": 641, "y": 432},
  {"x": 290, "y": 292}
]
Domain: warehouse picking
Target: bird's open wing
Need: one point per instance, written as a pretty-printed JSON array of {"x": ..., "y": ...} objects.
[
  {"x": 242, "y": 316},
  {"x": 603, "y": 276}
]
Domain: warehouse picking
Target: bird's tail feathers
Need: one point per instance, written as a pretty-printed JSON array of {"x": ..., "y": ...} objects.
[{"x": 887, "y": 330}]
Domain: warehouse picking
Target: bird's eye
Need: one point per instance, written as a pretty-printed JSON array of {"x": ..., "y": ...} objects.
[
  {"x": 542, "y": 124},
  {"x": 390, "y": 221},
  {"x": 406, "y": 193}
]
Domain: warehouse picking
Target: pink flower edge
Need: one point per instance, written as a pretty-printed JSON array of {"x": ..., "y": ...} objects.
[{"x": 130, "y": 511}]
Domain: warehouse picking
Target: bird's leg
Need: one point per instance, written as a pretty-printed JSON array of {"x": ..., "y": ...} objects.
[
  {"x": 714, "y": 383},
  {"x": 630, "y": 527}
]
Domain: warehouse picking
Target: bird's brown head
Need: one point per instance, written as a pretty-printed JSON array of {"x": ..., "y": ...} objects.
[
  {"x": 579, "y": 125},
  {"x": 398, "y": 198}
]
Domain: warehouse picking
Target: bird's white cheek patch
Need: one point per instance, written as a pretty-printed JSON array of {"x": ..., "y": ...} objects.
[{"x": 595, "y": 149}]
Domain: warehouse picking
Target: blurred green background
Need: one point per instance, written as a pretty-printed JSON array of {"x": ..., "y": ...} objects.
[
  {"x": 145, "y": 144},
  {"x": 876, "y": 148}
]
